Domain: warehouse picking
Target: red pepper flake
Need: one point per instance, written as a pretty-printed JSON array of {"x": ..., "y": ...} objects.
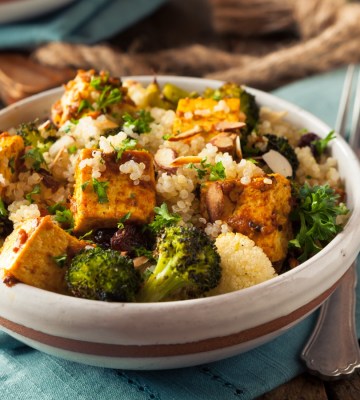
[{"x": 22, "y": 238}]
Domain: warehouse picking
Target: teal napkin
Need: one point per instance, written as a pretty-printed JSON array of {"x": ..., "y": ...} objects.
[
  {"x": 29, "y": 374},
  {"x": 83, "y": 21}
]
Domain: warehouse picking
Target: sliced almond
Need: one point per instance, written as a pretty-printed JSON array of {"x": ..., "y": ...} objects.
[
  {"x": 215, "y": 201},
  {"x": 164, "y": 158},
  {"x": 183, "y": 160},
  {"x": 186, "y": 134},
  {"x": 238, "y": 150},
  {"x": 107, "y": 123},
  {"x": 57, "y": 158},
  {"x": 224, "y": 142},
  {"x": 229, "y": 125},
  {"x": 278, "y": 163},
  {"x": 139, "y": 261},
  {"x": 64, "y": 142}
]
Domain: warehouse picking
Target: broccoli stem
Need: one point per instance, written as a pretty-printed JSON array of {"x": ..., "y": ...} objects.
[{"x": 162, "y": 281}]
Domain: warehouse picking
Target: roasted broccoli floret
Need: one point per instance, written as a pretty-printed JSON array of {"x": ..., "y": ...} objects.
[
  {"x": 30, "y": 132},
  {"x": 282, "y": 145},
  {"x": 100, "y": 274},
  {"x": 248, "y": 103},
  {"x": 188, "y": 266}
]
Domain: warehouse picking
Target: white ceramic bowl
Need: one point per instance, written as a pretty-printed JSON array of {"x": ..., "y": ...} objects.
[{"x": 184, "y": 333}]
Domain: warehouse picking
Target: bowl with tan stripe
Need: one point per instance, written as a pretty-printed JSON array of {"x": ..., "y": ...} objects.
[{"x": 190, "y": 332}]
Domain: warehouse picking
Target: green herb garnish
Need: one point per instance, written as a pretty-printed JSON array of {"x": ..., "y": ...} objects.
[
  {"x": 140, "y": 122},
  {"x": 84, "y": 104},
  {"x": 62, "y": 215},
  {"x": 86, "y": 235},
  {"x": 3, "y": 211},
  {"x": 163, "y": 218},
  {"x": 127, "y": 144},
  {"x": 108, "y": 97},
  {"x": 100, "y": 188},
  {"x": 316, "y": 214},
  {"x": 216, "y": 172},
  {"x": 320, "y": 145},
  {"x": 36, "y": 190},
  {"x": 122, "y": 220},
  {"x": 60, "y": 260},
  {"x": 36, "y": 158}
]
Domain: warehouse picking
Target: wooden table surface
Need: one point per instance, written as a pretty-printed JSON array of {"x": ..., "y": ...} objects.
[{"x": 176, "y": 24}]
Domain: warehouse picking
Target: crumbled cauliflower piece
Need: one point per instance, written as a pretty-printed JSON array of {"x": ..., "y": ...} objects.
[{"x": 243, "y": 263}]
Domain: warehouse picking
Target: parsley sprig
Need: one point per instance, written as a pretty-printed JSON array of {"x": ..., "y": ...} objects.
[
  {"x": 216, "y": 172},
  {"x": 109, "y": 94},
  {"x": 126, "y": 144},
  {"x": 140, "y": 121},
  {"x": 320, "y": 145},
  {"x": 100, "y": 188},
  {"x": 3, "y": 211},
  {"x": 316, "y": 214},
  {"x": 36, "y": 190},
  {"x": 61, "y": 260},
  {"x": 122, "y": 220},
  {"x": 163, "y": 218},
  {"x": 36, "y": 158},
  {"x": 62, "y": 215}
]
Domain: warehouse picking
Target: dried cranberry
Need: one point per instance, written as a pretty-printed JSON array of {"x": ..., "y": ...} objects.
[
  {"x": 128, "y": 238},
  {"x": 307, "y": 139},
  {"x": 103, "y": 236}
]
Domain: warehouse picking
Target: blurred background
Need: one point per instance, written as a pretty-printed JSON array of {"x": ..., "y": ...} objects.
[{"x": 261, "y": 43}]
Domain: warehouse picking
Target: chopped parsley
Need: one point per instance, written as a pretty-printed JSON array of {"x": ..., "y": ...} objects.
[
  {"x": 126, "y": 144},
  {"x": 84, "y": 104},
  {"x": 61, "y": 260},
  {"x": 72, "y": 149},
  {"x": 3, "y": 210},
  {"x": 86, "y": 235},
  {"x": 62, "y": 215},
  {"x": 108, "y": 97},
  {"x": 122, "y": 220},
  {"x": 12, "y": 164},
  {"x": 216, "y": 172},
  {"x": 139, "y": 122},
  {"x": 320, "y": 145},
  {"x": 163, "y": 218},
  {"x": 36, "y": 190},
  {"x": 100, "y": 188},
  {"x": 36, "y": 158}
]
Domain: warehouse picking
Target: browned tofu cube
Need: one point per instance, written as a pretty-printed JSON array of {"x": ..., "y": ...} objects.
[
  {"x": 205, "y": 114},
  {"x": 259, "y": 210},
  {"x": 122, "y": 194},
  {"x": 29, "y": 252},
  {"x": 11, "y": 149}
]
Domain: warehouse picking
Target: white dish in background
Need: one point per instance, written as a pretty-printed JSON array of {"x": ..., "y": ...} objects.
[
  {"x": 190, "y": 332},
  {"x": 20, "y": 10}
]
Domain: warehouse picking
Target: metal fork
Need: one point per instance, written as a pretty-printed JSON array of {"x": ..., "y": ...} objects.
[{"x": 332, "y": 351}]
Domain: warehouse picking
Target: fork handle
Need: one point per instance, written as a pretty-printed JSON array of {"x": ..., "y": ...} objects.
[{"x": 332, "y": 351}]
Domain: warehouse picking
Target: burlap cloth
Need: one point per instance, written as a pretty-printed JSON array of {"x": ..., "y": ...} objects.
[{"x": 261, "y": 43}]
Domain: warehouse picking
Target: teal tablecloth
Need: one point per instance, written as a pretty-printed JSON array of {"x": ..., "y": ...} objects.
[
  {"x": 28, "y": 374},
  {"x": 82, "y": 21}
]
